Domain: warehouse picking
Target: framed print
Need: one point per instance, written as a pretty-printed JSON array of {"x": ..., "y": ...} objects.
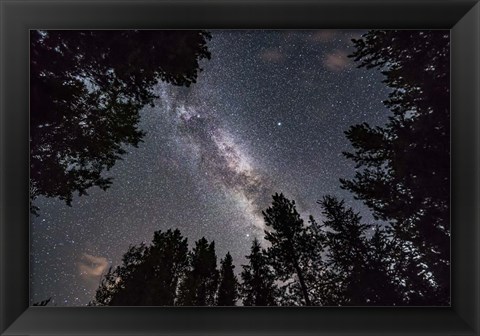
[{"x": 231, "y": 167}]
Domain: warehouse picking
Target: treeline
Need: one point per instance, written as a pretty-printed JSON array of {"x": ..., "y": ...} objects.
[{"x": 339, "y": 262}]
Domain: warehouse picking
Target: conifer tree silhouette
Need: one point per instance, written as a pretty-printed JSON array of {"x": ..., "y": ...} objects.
[
  {"x": 228, "y": 287},
  {"x": 199, "y": 286},
  {"x": 291, "y": 251},
  {"x": 258, "y": 280},
  {"x": 149, "y": 275},
  {"x": 360, "y": 268},
  {"x": 406, "y": 163}
]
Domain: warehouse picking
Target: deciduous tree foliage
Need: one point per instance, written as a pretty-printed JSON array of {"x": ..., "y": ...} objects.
[
  {"x": 406, "y": 163},
  {"x": 258, "y": 286},
  {"x": 86, "y": 91}
]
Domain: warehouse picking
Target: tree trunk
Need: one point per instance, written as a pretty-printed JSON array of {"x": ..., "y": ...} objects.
[{"x": 302, "y": 284}]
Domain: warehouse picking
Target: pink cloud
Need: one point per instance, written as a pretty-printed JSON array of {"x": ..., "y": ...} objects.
[
  {"x": 324, "y": 35},
  {"x": 272, "y": 55},
  {"x": 337, "y": 61},
  {"x": 91, "y": 267}
]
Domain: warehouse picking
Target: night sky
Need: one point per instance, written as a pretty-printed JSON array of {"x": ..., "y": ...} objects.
[{"x": 267, "y": 114}]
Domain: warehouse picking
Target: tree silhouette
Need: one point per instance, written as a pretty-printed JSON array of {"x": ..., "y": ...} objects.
[
  {"x": 258, "y": 280},
  {"x": 87, "y": 88},
  {"x": 115, "y": 288},
  {"x": 406, "y": 163},
  {"x": 291, "y": 251},
  {"x": 359, "y": 268},
  {"x": 342, "y": 262},
  {"x": 228, "y": 287},
  {"x": 149, "y": 276},
  {"x": 417, "y": 287},
  {"x": 42, "y": 303},
  {"x": 384, "y": 283},
  {"x": 199, "y": 285},
  {"x": 167, "y": 263}
]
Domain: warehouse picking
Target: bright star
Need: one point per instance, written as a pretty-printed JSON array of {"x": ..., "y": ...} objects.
[{"x": 279, "y": 124}]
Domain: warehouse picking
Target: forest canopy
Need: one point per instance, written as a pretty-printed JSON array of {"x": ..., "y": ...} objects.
[{"x": 87, "y": 89}]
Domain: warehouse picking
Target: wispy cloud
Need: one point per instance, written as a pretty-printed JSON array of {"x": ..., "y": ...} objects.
[
  {"x": 337, "y": 60},
  {"x": 272, "y": 55},
  {"x": 323, "y": 36},
  {"x": 92, "y": 267}
]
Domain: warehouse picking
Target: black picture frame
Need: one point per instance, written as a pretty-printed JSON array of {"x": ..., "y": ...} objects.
[{"x": 17, "y": 17}]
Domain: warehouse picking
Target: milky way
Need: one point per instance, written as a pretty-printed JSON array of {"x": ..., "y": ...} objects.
[
  {"x": 219, "y": 156},
  {"x": 266, "y": 115}
]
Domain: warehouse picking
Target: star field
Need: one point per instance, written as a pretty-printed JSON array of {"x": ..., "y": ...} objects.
[{"x": 267, "y": 114}]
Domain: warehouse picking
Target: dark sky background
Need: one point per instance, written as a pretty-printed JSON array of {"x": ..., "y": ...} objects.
[{"x": 267, "y": 115}]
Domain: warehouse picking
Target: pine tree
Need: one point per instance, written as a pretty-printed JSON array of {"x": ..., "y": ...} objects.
[
  {"x": 258, "y": 280},
  {"x": 384, "y": 285},
  {"x": 118, "y": 286},
  {"x": 406, "y": 163},
  {"x": 228, "y": 288},
  {"x": 358, "y": 267},
  {"x": 199, "y": 285},
  {"x": 291, "y": 251},
  {"x": 167, "y": 263},
  {"x": 148, "y": 276},
  {"x": 346, "y": 252}
]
